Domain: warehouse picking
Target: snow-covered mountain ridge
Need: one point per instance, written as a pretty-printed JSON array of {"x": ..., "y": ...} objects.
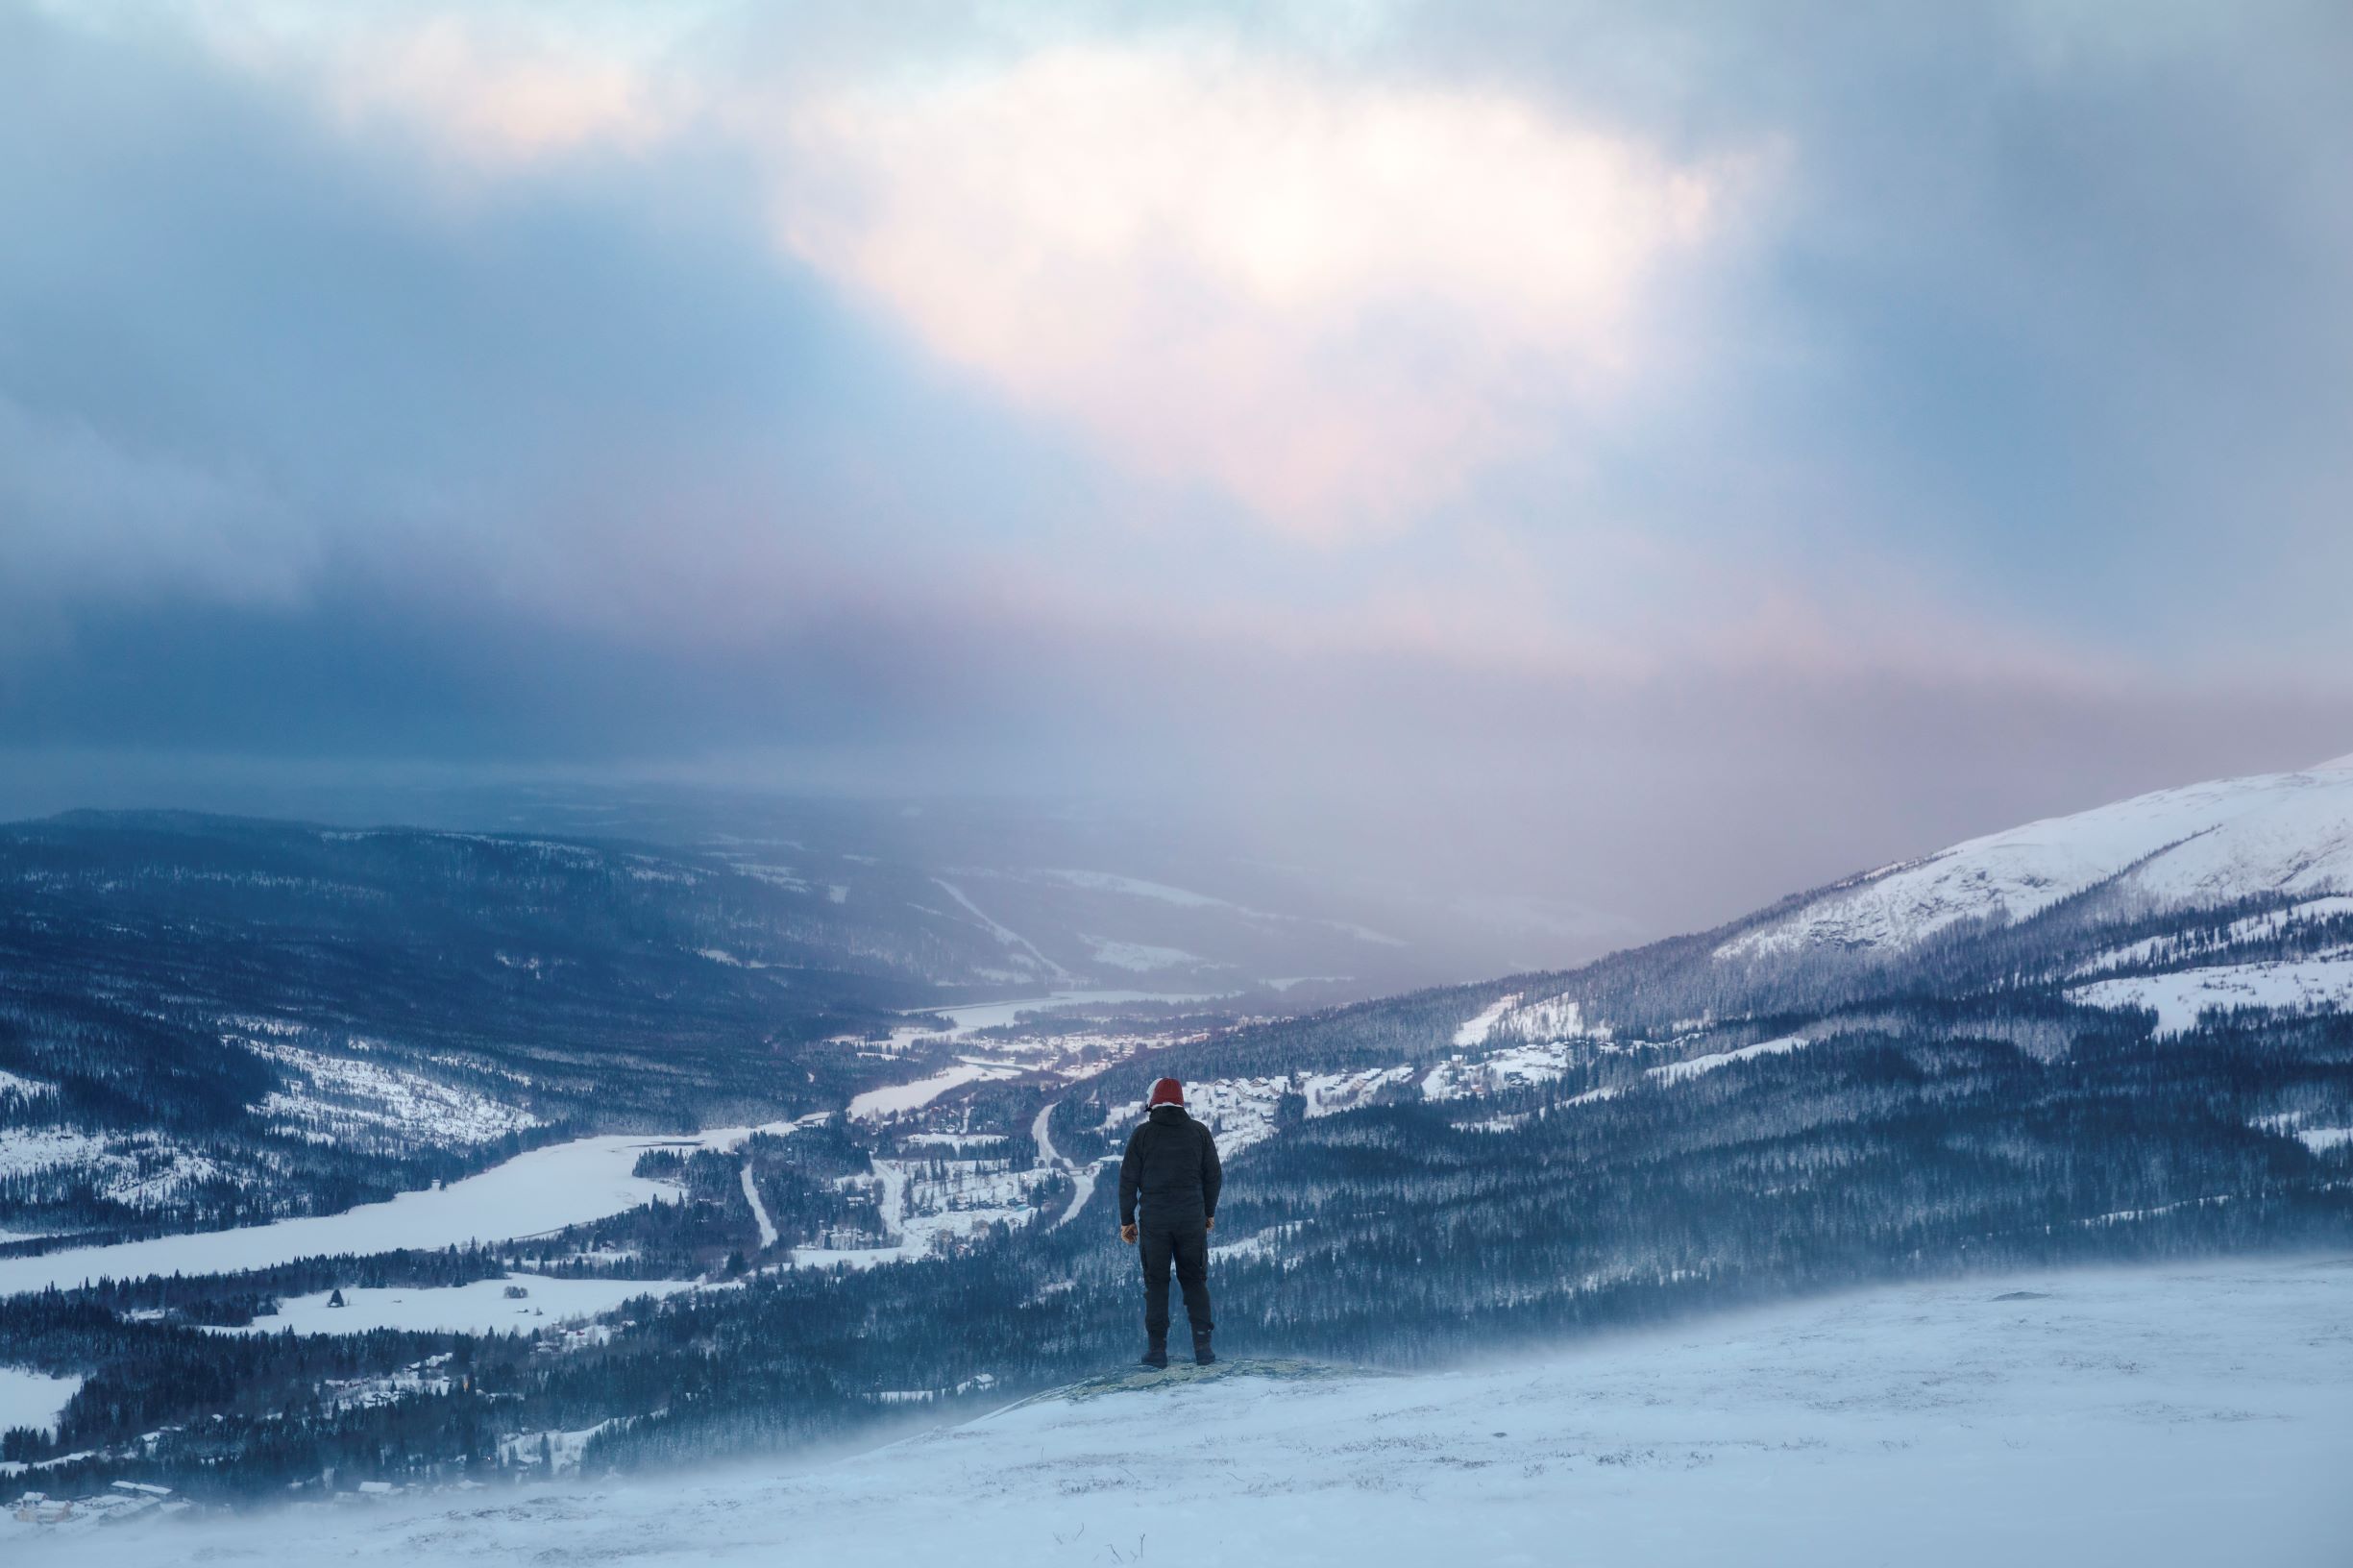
[
  {"x": 2198, "y": 846},
  {"x": 2199, "y": 904}
]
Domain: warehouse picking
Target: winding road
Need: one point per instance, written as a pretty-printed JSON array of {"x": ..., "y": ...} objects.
[{"x": 1083, "y": 1176}]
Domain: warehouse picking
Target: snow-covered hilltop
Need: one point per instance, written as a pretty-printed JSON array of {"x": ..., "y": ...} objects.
[
  {"x": 2228, "y": 899},
  {"x": 2200, "y": 846},
  {"x": 2149, "y": 1416}
]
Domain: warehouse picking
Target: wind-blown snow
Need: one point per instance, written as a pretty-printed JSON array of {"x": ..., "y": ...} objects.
[
  {"x": 2206, "y": 844},
  {"x": 2187, "y": 1416},
  {"x": 2312, "y": 985}
]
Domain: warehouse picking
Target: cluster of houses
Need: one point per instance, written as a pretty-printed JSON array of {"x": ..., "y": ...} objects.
[{"x": 123, "y": 1500}]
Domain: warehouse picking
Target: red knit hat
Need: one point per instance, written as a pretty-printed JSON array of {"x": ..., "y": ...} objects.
[{"x": 1167, "y": 1092}]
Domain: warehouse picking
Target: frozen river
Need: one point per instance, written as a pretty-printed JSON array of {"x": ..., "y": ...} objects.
[{"x": 565, "y": 1183}]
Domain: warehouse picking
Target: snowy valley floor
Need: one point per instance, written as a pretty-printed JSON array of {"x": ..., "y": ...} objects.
[{"x": 2200, "y": 1414}]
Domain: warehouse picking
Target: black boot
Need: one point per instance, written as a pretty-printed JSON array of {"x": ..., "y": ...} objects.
[
  {"x": 1203, "y": 1356},
  {"x": 1156, "y": 1354}
]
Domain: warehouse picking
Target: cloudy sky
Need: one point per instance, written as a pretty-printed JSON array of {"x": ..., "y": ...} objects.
[{"x": 1649, "y": 456}]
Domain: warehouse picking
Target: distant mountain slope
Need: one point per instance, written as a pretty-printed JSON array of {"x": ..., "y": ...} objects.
[
  {"x": 2203, "y": 846},
  {"x": 2145, "y": 1043},
  {"x": 210, "y": 1020}
]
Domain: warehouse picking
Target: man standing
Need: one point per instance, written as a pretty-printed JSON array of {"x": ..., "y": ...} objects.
[{"x": 1172, "y": 1165}]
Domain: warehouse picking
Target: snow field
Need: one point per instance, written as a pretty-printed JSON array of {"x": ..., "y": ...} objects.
[
  {"x": 33, "y": 1398},
  {"x": 2192, "y": 1414},
  {"x": 2307, "y": 986}
]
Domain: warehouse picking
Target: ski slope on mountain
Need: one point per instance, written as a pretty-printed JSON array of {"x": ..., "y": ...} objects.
[
  {"x": 2187, "y": 1414},
  {"x": 2198, "y": 846}
]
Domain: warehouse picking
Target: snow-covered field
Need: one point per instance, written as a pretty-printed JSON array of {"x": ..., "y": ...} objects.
[
  {"x": 566, "y": 1183},
  {"x": 2193, "y": 1414},
  {"x": 2310, "y": 985},
  {"x": 480, "y": 1307},
  {"x": 33, "y": 1398}
]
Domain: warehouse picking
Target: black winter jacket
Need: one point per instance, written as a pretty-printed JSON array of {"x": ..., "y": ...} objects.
[{"x": 1171, "y": 1164}]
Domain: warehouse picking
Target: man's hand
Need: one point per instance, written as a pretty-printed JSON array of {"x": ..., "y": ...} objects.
[
  {"x": 1209, "y": 1224},
  {"x": 1127, "y": 1234}
]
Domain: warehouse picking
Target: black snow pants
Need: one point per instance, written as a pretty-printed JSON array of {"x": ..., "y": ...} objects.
[{"x": 1188, "y": 1246}]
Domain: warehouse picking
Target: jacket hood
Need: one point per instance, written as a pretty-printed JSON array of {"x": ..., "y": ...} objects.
[{"x": 1166, "y": 1113}]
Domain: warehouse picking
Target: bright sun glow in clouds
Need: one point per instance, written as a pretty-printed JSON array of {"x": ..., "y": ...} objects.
[{"x": 1331, "y": 300}]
